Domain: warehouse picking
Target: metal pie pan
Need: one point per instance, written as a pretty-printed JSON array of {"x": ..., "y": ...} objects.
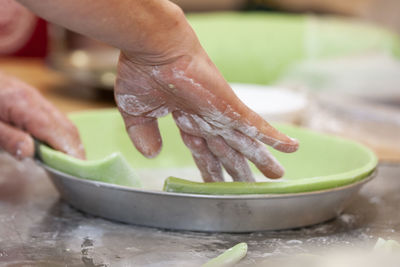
[{"x": 205, "y": 213}]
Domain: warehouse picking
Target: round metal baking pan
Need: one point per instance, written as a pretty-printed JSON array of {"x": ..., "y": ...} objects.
[{"x": 207, "y": 213}]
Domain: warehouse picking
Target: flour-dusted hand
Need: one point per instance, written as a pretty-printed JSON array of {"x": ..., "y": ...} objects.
[
  {"x": 214, "y": 124},
  {"x": 163, "y": 69},
  {"x": 25, "y": 113}
]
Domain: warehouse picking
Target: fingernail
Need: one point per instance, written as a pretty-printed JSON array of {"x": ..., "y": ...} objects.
[
  {"x": 277, "y": 172},
  {"x": 76, "y": 151},
  {"x": 24, "y": 149},
  {"x": 285, "y": 146}
]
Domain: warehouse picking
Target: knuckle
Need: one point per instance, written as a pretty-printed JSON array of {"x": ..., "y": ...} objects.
[{"x": 195, "y": 143}]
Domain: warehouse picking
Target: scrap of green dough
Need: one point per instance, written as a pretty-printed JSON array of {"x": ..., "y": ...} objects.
[
  {"x": 387, "y": 245},
  {"x": 229, "y": 257},
  {"x": 112, "y": 169}
]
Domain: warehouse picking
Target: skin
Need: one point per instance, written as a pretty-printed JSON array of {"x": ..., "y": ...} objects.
[
  {"x": 163, "y": 69},
  {"x": 24, "y": 114}
]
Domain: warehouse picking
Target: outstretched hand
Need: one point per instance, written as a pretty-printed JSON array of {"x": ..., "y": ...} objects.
[{"x": 214, "y": 124}]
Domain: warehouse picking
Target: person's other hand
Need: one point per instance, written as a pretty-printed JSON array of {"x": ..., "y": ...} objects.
[
  {"x": 174, "y": 74},
  {"x": 25, "y": 113}
]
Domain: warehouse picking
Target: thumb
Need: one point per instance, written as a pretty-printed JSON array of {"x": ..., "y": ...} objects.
[{"x": 144, "y": 133}]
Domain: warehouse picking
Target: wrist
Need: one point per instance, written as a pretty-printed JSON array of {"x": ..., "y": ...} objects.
[{"x": 167, "y": 35}]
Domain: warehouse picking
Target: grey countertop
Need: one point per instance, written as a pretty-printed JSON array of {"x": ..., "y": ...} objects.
[{"x": 39, "y": 229}]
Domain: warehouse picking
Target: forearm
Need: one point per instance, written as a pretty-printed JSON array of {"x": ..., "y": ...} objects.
[{"x": 134, "y": 26}]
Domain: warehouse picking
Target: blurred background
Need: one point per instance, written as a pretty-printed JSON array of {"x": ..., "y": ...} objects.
[{"x": 333, "y": 66}]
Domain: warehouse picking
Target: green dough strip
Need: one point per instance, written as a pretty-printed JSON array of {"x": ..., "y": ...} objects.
[
  {"x": 229, "y": 257},
  {"x": 178, "y": 185},
  {"x": 387, "y": 245},
  {"x": 112, "y": 169}
]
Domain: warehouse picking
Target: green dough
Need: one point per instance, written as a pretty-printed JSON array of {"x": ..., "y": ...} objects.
[
  {"x": 173, "y": 184},
  {"x": 229, "y": 257},
  {"x": 112, "y": 169},
  {"x": 255, "y": 47},
  {"x": 321, "y": 162},
  {"x": 387, "y": 245}
]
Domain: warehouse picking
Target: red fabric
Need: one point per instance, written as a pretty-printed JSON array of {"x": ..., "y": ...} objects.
[{"x": 37, "y": 44}]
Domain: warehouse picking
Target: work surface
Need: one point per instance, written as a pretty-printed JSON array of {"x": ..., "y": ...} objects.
[{"x": 39, "y": 229}]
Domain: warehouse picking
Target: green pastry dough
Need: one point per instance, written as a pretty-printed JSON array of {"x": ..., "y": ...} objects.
[
  {"x": 387, "y": 245},
  {"x": 229, "y": 257},
  {"x": 321, "y": 162},
  {"x": 173, "y": 184},
  {"x": 112, "y": 169}
]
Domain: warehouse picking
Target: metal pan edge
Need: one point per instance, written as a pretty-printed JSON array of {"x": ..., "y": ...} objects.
[{"x": 205, "y": 213}]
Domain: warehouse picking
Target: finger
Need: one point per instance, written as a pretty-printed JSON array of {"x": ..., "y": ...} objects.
[
  {"x": 16, "y": 142},
  {"x": 186, "y": 123},
  {"x": 60, "y": 134},
  {"x": 256, "y": 153},
  {"x": 144, "y": 133},
  {"x": 208, "y": 164},
  {"x": 28, "y": 110},
  {"x": 55, "y": 130},
  {"x": 234, "y": 163},
  {"x": 223, "y": 109},
  {"x": 233, "y": 113},
  {"x": 253, "y": 125}
]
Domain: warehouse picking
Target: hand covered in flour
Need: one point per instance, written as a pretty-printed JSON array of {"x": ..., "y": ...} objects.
[
  {"x": 163, "y": 69},
  {"x": 178, "y": 77},
  {"x": 25, "y": 113}
]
